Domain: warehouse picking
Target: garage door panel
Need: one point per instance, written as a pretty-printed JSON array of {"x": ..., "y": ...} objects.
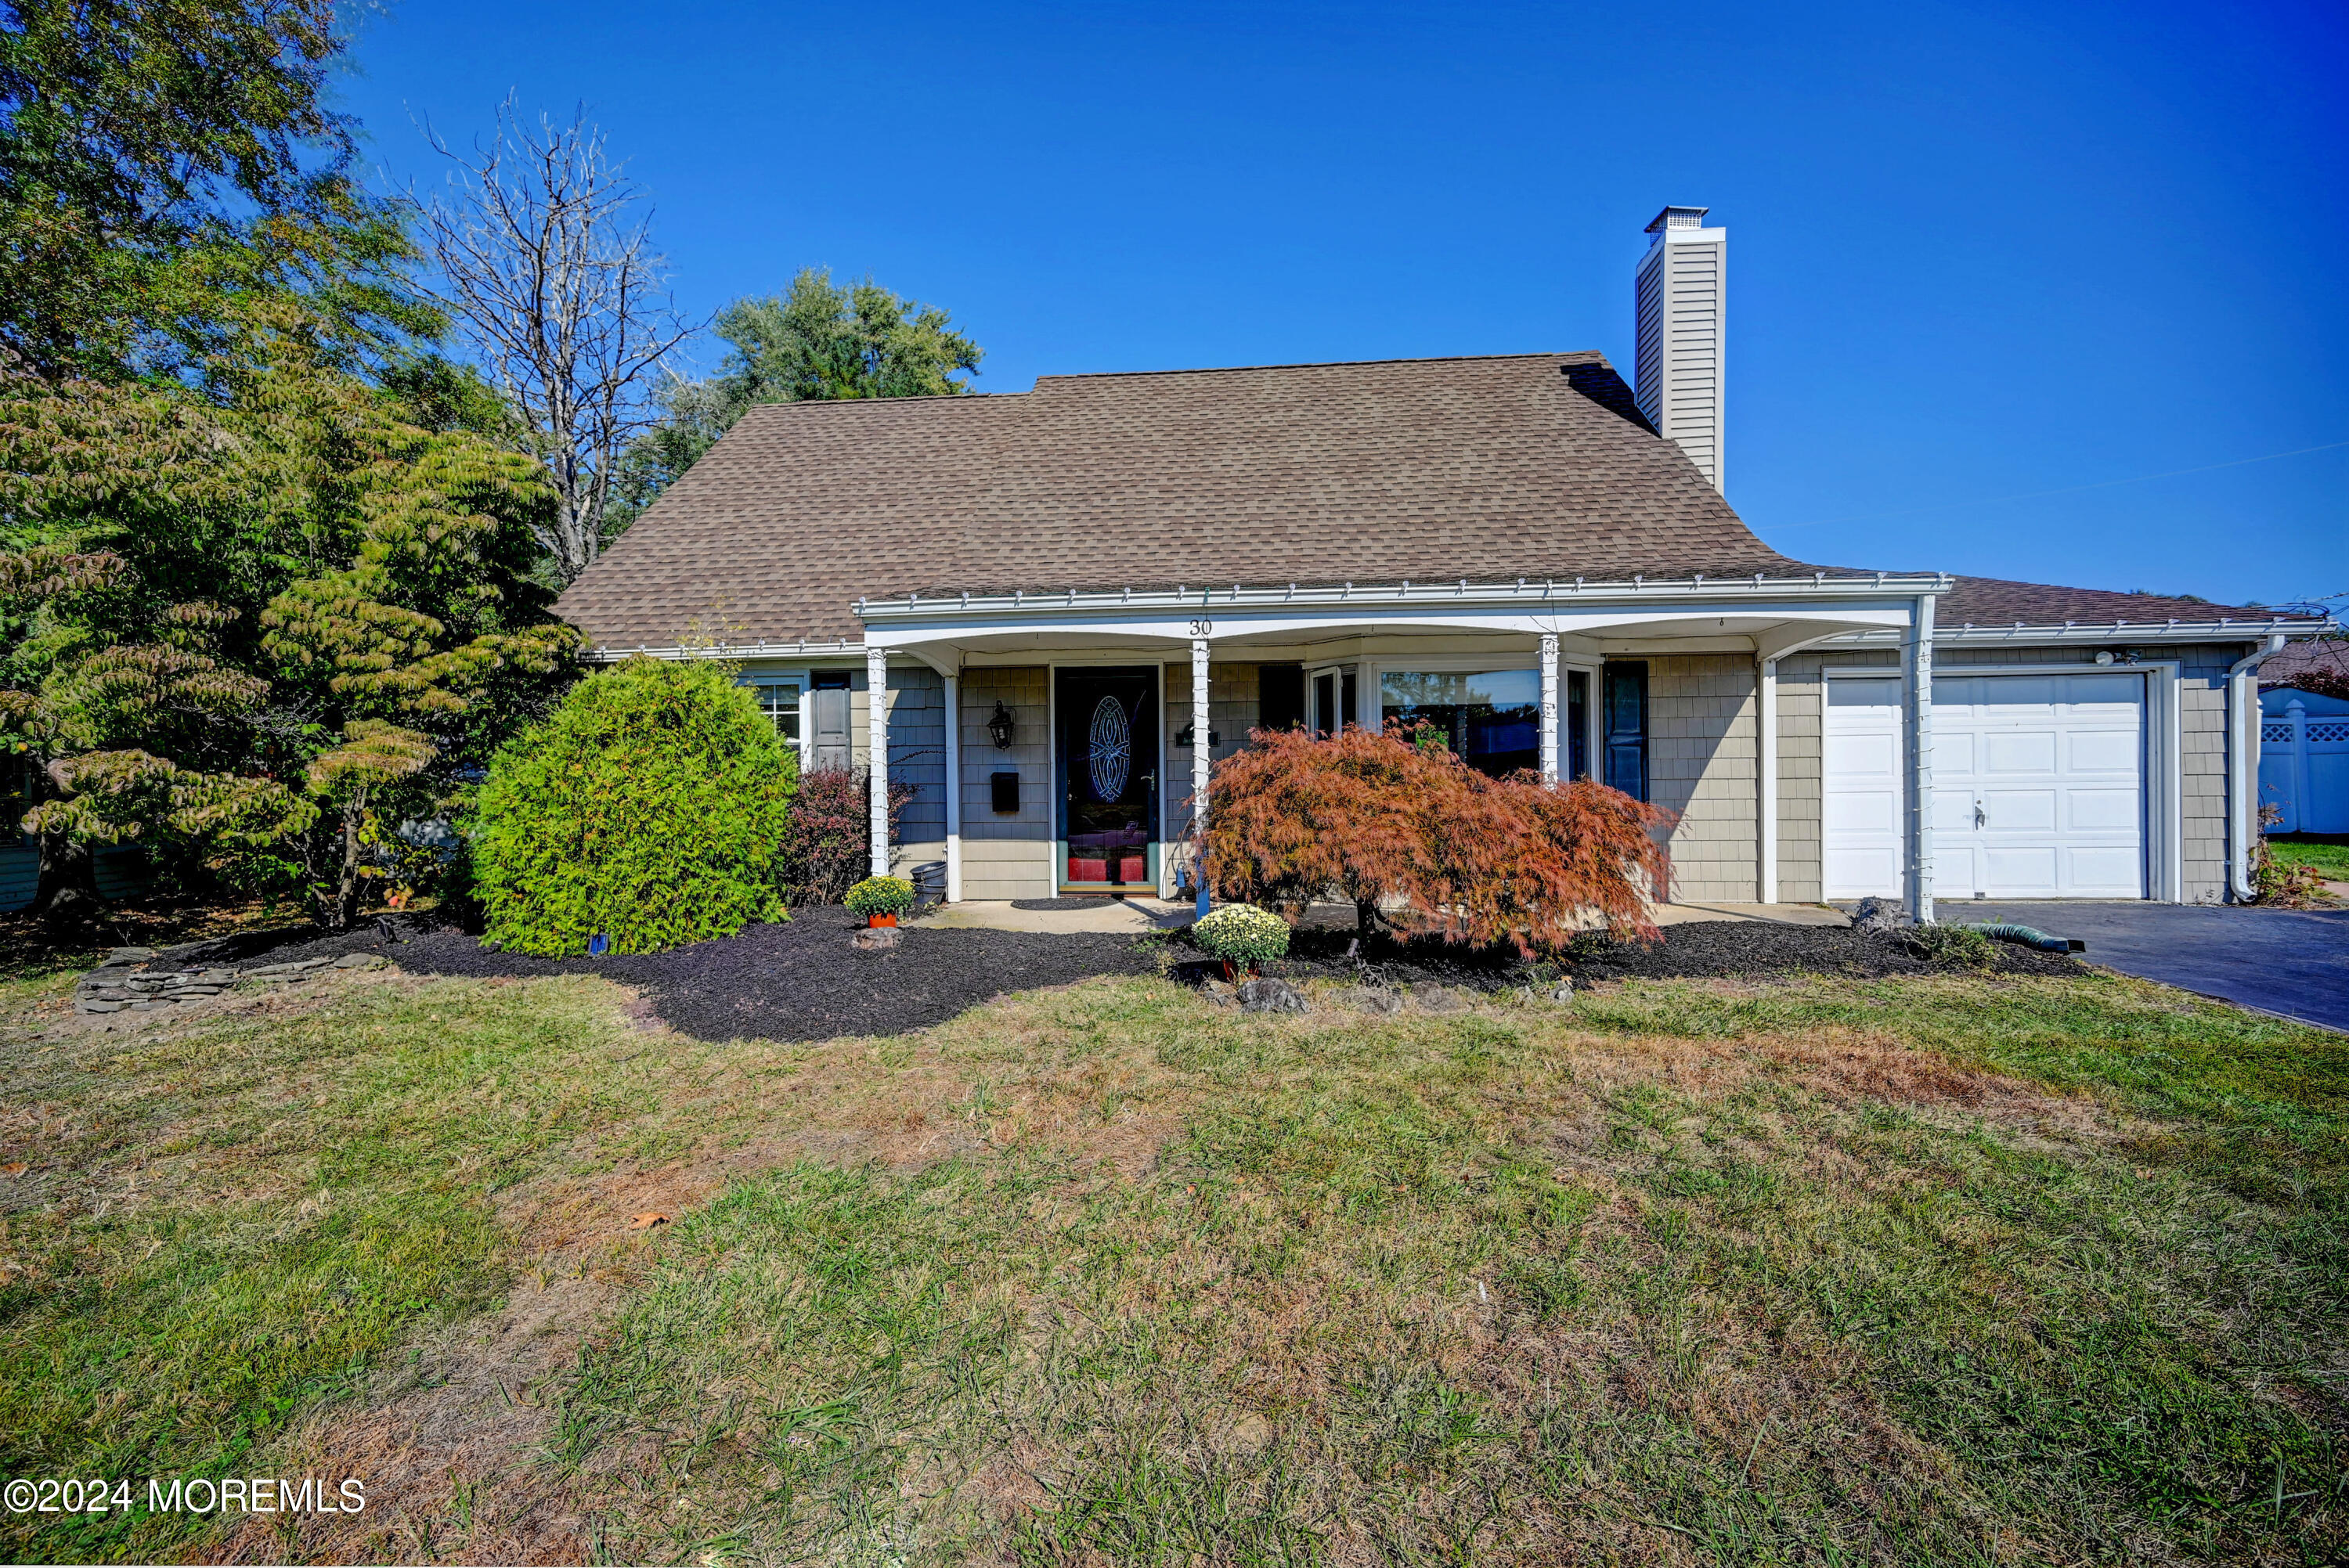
[
  {"x": 2103, "y": 751},
  {"x": 2020, "y": 871},
  {"x": 2113, "y": 873},
  {"x": 1862, "y": 872},
  {"x": 2030, "y": 751},
  {"x": 1868, "y": 810},
  {"x": 2109, "y": 698},
  {"x": 2017, "y": 811},
  {"x": 1863, "y": 755},
  {"x": 2101, "y": 811}
]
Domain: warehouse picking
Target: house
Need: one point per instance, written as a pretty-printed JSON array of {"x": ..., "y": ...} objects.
[
  {"x": 1070, "y": 600},
  {"x": 2304, "y": 737}
]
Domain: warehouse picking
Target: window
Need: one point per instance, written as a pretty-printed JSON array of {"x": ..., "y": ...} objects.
[
  {"x": 780, "y": 701},
  {"x": 1280, "y": 697},
  {"x": 1626, "y": 720},
  {"x": 1336, "y": 698},
  {"x": 1491, "y": 718}
]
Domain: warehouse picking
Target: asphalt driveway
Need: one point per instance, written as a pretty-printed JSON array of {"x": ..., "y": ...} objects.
[{"x": 2287, "y": 960}]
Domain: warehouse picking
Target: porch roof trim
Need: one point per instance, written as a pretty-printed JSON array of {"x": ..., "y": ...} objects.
[{"x": 1460, "y": 591}]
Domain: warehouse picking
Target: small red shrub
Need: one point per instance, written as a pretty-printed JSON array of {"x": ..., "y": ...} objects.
[
  {"x": 1372, "y": 819},
  {"x": 828, "y": 842}
]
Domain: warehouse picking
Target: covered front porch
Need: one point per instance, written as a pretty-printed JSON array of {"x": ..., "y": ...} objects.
[{"x": 1078, "y": 729}]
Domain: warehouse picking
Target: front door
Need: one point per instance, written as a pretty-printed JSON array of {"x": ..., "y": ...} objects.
[{"x": 1106, "y": 757}]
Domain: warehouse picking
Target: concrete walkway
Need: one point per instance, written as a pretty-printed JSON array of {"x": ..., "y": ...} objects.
[{"x": 2290, "y": 962}]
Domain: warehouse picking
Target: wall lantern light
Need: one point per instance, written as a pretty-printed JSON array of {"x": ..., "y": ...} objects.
[{"x": 1002, "y": 727}]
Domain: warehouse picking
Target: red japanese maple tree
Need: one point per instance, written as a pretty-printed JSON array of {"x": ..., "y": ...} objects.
[{"x": 1416, "y": 837}]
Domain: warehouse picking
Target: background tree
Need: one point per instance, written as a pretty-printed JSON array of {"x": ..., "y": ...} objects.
[
  {"x": 817, "y": 341},
  {"x": 159, "y": 155},
  {"x": 221, "y": 599},
  {"x": 550, "y": 276}
]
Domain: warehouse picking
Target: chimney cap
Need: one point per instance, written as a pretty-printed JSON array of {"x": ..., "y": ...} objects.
[{"x": 1678, "y": 218}]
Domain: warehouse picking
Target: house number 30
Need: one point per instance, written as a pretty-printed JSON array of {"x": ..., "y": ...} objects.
[{"x": 1201, "y": 628}]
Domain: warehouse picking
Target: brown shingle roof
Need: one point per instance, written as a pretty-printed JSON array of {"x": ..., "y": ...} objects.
[
  {"x": 1533, "y": 465},
  {"x": 1520, "y": 465},
  {"x": 1994, "y": 602}
]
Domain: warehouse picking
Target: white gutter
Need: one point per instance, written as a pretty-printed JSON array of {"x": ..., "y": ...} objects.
[
  {"x": 2242, "y": 763},
  {"x": 1457, "y": 591},
  {"x": 2223, "y": 630},
  {"x": 611, "y": 653}
]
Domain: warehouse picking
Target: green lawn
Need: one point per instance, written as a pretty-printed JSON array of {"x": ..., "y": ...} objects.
[
  {"x": 1954, "y": 1270},
  {"x": 2328, "y": 852}
]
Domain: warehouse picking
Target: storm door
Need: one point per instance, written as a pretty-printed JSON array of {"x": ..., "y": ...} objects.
[{"x": 1105, "y": 755}]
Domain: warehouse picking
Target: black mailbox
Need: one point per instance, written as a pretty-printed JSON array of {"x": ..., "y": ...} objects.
[{"x": 1007, "y": 790}]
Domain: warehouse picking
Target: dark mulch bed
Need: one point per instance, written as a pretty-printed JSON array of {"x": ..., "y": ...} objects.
[
  {"x": 1703, "y": 949},
  {"x": 797, "y": 981},
  {"x": 804, "y": 981}
]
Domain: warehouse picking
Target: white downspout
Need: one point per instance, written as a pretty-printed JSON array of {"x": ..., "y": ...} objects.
[
  {"x": 2242, "y": 763},
  {"x": 954, "y": 788},
  {"x": 1766, "y": 771}
]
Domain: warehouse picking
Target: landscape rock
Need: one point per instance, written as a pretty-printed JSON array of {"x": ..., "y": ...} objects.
[
  {"x": 361, "y": 960},
  {"x": 874, "y": 939},
  {"x": 1265, "y": 995},
  {"x": 1878, "y": 914},
  {"x": 122, "y": 957},
  {"x": 1376, "y": 1000},
  {"x": 92, "y": 1005}
]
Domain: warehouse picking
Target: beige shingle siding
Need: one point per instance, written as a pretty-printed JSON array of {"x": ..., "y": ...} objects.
[
  {"x": 1701, "y": 763},
  {"x": 2202, "y": 742},
  {"x": 1007, "y": 856}
]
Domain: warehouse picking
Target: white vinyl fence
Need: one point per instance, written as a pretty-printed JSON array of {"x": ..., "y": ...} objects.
[{"x": 2305, "y": 770}]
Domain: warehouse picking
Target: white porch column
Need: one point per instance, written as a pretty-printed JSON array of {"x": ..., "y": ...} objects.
[
  {"x": 1917, "y": 657},
  {"x": 1202, "y": 757},
  {"x": 1765, "y": 772},
  {"x": 954, "y": 788},
  {"x": 876, "y": 739},
  {"x": 1549, "y": 708}
]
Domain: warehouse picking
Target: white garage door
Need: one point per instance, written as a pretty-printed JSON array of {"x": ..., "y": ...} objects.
[
  {"x": 1863, "y": 805},
  {"x": 2039, "y": 786}
]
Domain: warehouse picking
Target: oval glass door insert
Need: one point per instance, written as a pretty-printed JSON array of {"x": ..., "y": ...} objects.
[{"x": 1111, "y": 751}]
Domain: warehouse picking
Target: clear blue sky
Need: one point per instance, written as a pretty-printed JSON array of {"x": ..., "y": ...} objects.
[{"x": 1976, "y": 252}]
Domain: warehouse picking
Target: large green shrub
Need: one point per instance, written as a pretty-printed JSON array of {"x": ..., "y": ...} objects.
[{"x": 649, "y": 809}]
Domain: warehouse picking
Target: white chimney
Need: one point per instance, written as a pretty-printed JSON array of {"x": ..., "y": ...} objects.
[{"x": 1683, "y": 283}]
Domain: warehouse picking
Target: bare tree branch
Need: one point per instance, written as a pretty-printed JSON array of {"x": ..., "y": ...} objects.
[{"x": 550, "y": 273}]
